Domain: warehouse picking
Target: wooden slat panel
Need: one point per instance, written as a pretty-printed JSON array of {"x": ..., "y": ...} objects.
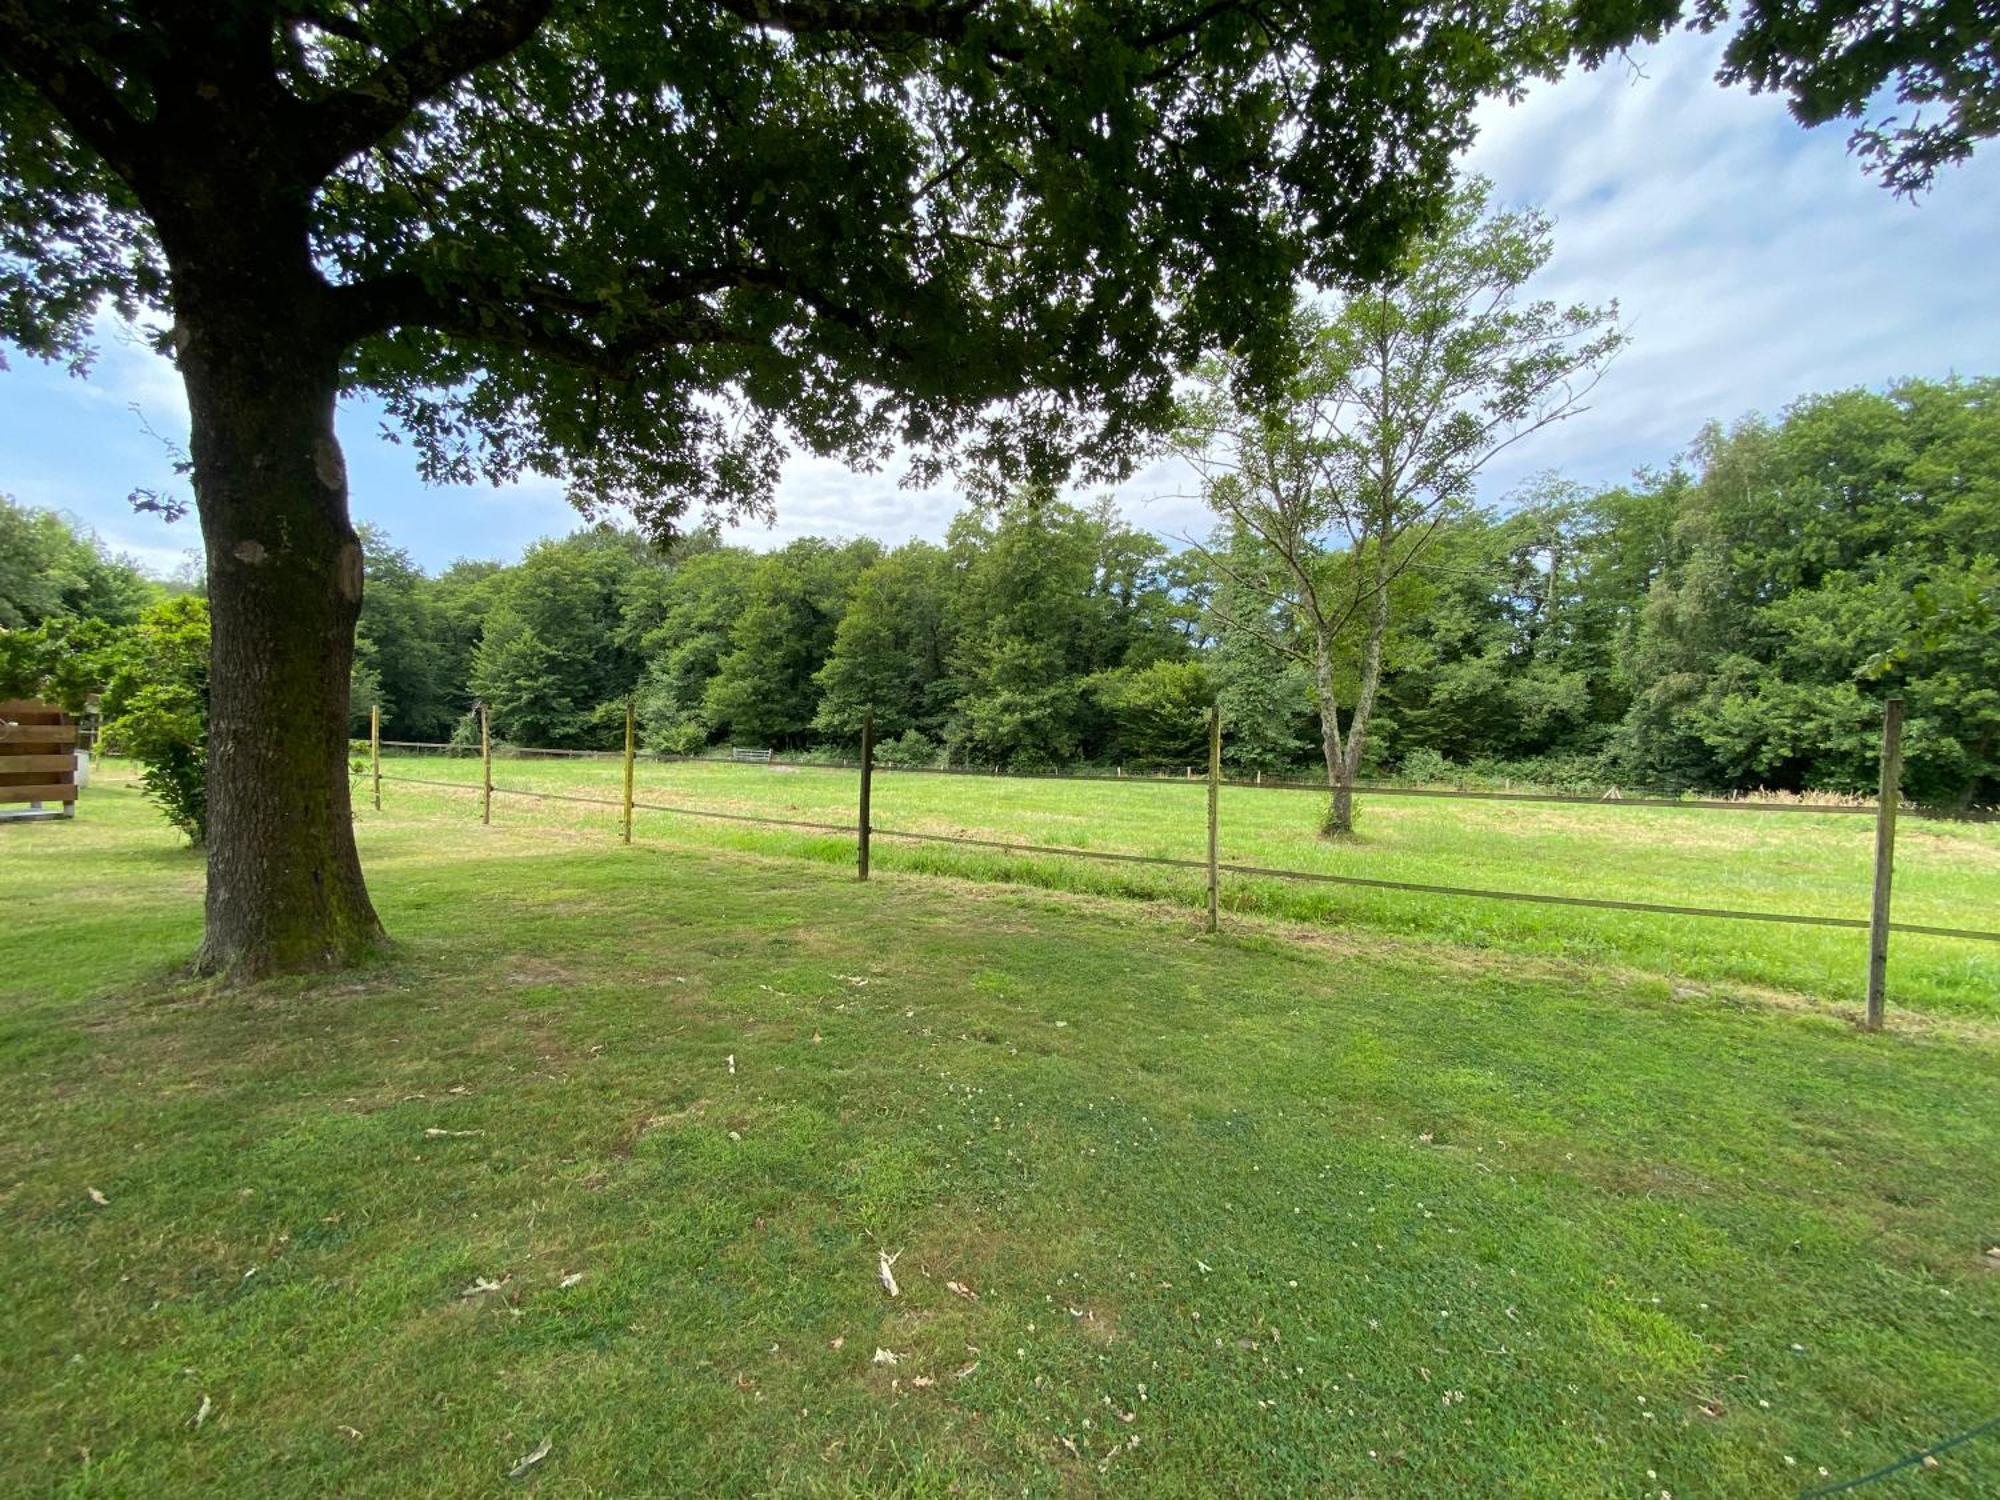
[
  {"x": 50, "y": 792},
  {"x": 35, "y": 778},
  {"x": 11, "y": 764},
  {"x": 31, "y": 711},
  {"x": 37, "y": 734}
]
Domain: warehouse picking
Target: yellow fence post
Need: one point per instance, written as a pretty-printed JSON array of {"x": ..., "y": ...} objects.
[
  {"x": 1888, "y": 796},
  {"x": 628, "y": 770},
  {"x": 375, "y": 749},
  {"x": 486, "y": 765},
  {"x": 867, "y": 785},
  {"x": 1214, "y": 796}
]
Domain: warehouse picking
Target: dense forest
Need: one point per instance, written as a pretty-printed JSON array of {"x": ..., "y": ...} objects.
[{"x": 1732, "y": 621}]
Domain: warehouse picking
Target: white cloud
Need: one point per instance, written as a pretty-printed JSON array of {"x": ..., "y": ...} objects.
[{"x": 1753, "y": 260}]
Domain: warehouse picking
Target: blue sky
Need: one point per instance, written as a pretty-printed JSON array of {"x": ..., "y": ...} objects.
[{"x": 1753, "y": 262}]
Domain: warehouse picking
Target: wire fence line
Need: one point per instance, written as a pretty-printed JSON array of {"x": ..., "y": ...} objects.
[
  {"x": 1879, "y": 925},
  {"x": 1260, "y": 872},
  {"x": 1609, "y": 798}
]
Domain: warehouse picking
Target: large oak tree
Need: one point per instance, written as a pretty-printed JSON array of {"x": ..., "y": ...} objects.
[{"x": 641, "y": 245}]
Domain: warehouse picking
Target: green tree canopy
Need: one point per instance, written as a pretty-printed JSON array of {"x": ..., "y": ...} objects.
[
  {"x": 1795, "y": 581},
  {"x": 558, "y": 652},
  {"x": 766, "y": 689},
  {"x": 50, "y": 568},
  {"x": 890, "y": 652}
]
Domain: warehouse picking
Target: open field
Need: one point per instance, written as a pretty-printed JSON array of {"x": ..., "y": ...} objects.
[
  {"x": 1947, "y": 874},
  {"x": 1248, "y": 1214}
]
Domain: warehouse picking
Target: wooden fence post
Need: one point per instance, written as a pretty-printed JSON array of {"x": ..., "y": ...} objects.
[
  {"x": 486, "y": 764},
  {"x": 628, "y": 770},
  {"x": 375, "y": 749},
  {"x": 1214, "y": 792},
  {"x": 1889, "y": 796},
  {"x": 867, "y": 784}
]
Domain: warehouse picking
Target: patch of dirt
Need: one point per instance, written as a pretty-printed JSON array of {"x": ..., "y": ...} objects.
[{"x": 645, "y": 1124}]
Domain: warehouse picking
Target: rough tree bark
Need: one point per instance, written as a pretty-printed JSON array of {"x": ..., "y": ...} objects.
[
  {"x": 260, "y": 361},
  {"x": 1343, "y": 752}
]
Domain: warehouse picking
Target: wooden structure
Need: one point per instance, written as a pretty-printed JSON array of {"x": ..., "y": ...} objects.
[{"x": 37, "y": 760}]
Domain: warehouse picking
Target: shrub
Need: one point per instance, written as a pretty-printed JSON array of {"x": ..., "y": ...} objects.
[
  {"x": 1424, "y": 766},
  {"x": 910, "y": 748},
  {"x": 61, "y": 661},
  {"x": 156, "y": 708}
]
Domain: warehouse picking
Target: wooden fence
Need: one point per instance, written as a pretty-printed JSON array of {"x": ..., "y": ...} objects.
[
  {"x": 37, "y": 761},
  {"x": 1878, "y": 924}
]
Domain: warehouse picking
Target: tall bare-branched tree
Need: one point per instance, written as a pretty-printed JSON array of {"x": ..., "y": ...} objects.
[{"x": 1405, "y": 390}]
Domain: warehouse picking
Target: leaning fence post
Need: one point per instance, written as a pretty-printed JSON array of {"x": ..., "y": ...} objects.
[
  {"x": 867, "y": 784},
  {"x": 486, "y": 766},
  {"x": 375, "y": 749},
  {"x": 1214, "y": 793},
  {"x": 1889, "y": 795},
  {"x": 628, "y": 771}
]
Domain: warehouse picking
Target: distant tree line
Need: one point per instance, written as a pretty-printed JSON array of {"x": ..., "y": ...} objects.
[{"x": 1732, "y": 621}]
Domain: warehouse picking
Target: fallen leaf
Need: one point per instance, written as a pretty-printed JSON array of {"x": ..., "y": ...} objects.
[
  {"x": 840, "y": 1341},
  {"x": 966, "y": 1371},
  {"x": 959, "y": 1288},
  {"x": 96, "y": 1197},
  {"x": 887, "y": 1357},
  {"x": 351, "y": 1432},
  {"x": 207, "y": 1406},
  {"x": 572, "y": 1279},
  {"x": 884, "y": 1263},
  {"x": 436, "y": 1134},
  {"x": 481, "y": 1286},
  {"x": 922, "y": 1382},
  {"x": 541, "y": 1452},
  {"x": 732, "y": 1062}
]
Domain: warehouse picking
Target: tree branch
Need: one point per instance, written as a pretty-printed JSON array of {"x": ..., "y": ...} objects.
[
  {"x": 35, "y": 47},
  {"x": 404, "y": 301},
  {"x": 910, "y": 18},
  {"x": 363, "y": 113}
]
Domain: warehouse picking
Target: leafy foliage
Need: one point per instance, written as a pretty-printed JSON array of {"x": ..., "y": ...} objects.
[
  {"x": 765, "y": 690},
  {"x": 60, "y": 661},
  {"x": 1807, "y": 576},
  {"x": 1731, "y": 622},
  {"x": 51, "y": 569},
  {"x": 1160, "y": 710},
  {"x": 155, "y": 708}
]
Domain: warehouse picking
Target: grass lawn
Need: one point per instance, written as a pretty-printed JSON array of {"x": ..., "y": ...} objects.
[
  {"x": 1947, "y": 874},
  {"x": 603, "y": 1157}
]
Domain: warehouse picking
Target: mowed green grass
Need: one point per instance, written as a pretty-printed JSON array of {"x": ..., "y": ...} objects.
[
  {"x": 603, "y": 1156},
  {"x": 1947, "y": 874}
]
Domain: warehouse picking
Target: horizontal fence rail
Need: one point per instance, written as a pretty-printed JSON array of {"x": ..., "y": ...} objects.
[
  {"x": 1606, "y": 799},
  {"x": 1878, "y": 925},
  {"x": 1257, "y": 872}
]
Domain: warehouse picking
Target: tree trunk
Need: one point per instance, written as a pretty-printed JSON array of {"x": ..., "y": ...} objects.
[
  {"x": 285, "y": 891},
  {"x": 1339, "y": 819}
]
